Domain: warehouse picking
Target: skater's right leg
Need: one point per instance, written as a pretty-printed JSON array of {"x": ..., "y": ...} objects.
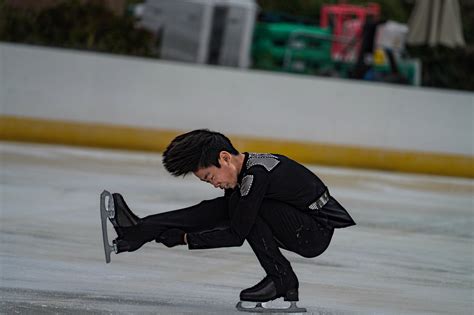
[{"x": 205, "y": 215}]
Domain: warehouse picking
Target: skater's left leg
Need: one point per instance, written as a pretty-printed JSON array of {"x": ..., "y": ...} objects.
[
  {"x": 295, "y": 230},
  {"x": 280, "y": 225},
  {"x": 280, "y": 280}
]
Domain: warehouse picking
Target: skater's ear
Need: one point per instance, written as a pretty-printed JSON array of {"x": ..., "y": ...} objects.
[{"x": 224, "y": 157}]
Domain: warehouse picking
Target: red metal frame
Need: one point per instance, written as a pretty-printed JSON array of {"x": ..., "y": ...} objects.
[{"x": 342, "y": 13}]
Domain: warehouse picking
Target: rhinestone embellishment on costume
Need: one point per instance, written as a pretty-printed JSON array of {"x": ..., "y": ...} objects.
[
  {"x": 246, "y": 185},
  {"x": 269, "y": 161},
  {"x": 318, "y": 204}
]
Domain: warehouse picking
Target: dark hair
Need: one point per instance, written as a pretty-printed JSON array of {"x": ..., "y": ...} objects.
[{"x": 194, "y": 150}]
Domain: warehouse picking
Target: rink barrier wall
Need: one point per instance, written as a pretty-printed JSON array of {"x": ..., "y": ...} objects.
[
  {"x": 80, "y": 86},
  {"x": 24, "y": 129}
]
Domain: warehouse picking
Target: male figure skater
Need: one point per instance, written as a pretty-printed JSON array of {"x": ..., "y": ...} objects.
[{"x": 269, "y": 200}]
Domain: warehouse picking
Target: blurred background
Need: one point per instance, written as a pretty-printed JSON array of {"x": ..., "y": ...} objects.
[
  {"x": 384, "y": 84},
  {"x": 377, "y": 98},
  {"x": 423, "y": 43}
]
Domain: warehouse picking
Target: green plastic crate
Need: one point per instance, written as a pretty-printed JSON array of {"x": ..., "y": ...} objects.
[{"x": 275, "y": 43}]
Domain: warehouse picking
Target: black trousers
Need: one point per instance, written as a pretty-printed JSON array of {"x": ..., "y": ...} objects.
[{"x": 278, "y": 225}]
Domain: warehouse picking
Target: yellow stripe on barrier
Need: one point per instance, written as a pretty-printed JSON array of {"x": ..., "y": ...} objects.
[
  {"x": 83, "y": 134},
  {"x": 25, "y": 129}
]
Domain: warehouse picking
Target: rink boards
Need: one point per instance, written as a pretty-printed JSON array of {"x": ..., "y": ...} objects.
[{"x": 72, "y": 97}]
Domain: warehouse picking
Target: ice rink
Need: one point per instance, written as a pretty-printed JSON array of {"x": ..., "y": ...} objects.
[{"x": 411, "y": 252}]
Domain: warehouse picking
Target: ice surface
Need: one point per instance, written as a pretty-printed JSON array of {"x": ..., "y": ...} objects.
[{"x": 411, "y": 252}]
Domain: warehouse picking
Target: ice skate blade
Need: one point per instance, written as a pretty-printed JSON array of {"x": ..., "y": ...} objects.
[
  {"x": 259, "y": 308},
  {"x": 105, "y": 212}
]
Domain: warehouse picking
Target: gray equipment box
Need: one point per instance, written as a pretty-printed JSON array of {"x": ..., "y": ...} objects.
[{"x": 202, "y": 31}]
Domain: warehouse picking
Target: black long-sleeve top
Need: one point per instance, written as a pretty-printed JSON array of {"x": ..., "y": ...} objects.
[{"x": 263, "y": 176}]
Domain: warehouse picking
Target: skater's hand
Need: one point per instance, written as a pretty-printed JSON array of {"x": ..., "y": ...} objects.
[{"x": 172, "y": 237}]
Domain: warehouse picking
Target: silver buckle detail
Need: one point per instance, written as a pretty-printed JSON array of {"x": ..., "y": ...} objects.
[{"x": 318, "y": 204}]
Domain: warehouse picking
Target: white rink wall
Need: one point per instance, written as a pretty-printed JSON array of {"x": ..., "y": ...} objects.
[{"x": 77, "y": 86}]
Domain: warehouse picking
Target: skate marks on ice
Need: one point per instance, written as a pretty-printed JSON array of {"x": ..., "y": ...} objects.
[
  {"x": 411, "y": 252},
  {"x": 38, "y": 302},
  {"x": 35, "y": 302}
]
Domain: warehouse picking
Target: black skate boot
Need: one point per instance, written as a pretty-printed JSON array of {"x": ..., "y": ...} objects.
[
  {"x": 263, "y": 291},
  {"x": 123, "y": 217},
  {"x": 114, "y": 208},
  {"x": 266, "y": 290}
]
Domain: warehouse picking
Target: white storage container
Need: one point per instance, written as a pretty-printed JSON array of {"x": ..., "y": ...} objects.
[{"x": 202, "y": 31}]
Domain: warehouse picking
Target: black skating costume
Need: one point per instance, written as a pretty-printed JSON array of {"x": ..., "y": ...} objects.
[{"x": 278, "y": 203}]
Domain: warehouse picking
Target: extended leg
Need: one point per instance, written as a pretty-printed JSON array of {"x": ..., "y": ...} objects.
[{"x": 205, "y": 215}]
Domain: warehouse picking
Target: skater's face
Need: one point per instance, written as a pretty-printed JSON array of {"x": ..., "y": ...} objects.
[{"x": 224, "y": 177}]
